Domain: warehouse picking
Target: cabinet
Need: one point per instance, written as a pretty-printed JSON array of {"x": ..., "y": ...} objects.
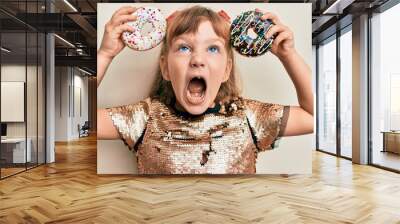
[
  {"x": 391, "y": 141},
  {"x": 13, "y": 150}
]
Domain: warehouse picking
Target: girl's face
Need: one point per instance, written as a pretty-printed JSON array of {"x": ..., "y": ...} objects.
[{"x": 197, "y": 64}]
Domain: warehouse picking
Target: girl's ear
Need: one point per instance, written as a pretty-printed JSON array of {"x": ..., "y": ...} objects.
[
  {"x": 227, "y": 70},
  {"x": 164, "y": 68}
]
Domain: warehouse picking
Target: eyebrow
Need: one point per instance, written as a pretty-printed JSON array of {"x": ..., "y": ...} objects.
[{"x": 212, "y": 40}]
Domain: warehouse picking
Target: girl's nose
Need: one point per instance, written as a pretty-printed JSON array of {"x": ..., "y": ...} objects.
[{"x": 197, "y": 61}]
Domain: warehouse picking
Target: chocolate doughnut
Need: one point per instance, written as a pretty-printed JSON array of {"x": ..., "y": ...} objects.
[
  {"x": 245, "y": 44},
  {"x": 139, "y": 41}
]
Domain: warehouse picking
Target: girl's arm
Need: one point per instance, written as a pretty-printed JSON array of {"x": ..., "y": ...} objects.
[
  {"x": 102, "y": 64},
  {"x": 105, "y": 127},
  {"x": 111, "y": 46},
  {"x": 300, "y": 120}
]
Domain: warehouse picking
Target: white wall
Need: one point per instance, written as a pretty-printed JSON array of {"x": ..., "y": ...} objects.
[
  {"x": 80, "y": 82},
  {"x": 12, "y": 73},
  {"x": 61, "y": 103},
  {"x": 264, "y": 78},
  {"x": 68, "y": 82}
]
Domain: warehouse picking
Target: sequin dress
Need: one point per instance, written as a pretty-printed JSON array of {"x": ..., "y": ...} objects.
[{"x": 223, "y": 140}]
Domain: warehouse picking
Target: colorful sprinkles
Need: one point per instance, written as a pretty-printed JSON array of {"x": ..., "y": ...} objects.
[
  {"x": 136, "y": 40},
  {"x": 242, "y": 42}
]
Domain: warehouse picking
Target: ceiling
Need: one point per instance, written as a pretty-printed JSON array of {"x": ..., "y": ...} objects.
[
  {"x": 78, "y": 27},
  {"x": 75, "y": 21}
]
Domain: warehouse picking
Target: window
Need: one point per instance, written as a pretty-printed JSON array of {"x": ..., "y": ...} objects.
[
  {"x": 385, "y": 89},
  {"x": 346, "y": 75},
  {"x": 22, "y": 66},
  {"x": 327, "y": 96}
]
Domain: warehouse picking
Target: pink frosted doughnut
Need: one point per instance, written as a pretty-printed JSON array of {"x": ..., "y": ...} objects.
[{"x": 136, "y": 40}]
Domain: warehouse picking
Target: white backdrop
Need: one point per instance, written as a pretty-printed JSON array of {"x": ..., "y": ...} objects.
[
  {"x": 264, "y": 78},
  {"x": 12, "y": 101}
]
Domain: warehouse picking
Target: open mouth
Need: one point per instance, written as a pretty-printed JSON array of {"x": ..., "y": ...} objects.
[{"x": 196, "y": 90}]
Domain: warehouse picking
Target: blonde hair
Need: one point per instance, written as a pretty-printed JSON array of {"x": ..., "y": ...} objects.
[{"x": 188, "y": 21}]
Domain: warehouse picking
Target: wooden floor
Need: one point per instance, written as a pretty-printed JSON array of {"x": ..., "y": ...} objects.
[
  {"x": 10, "y": 171},
  {"x": 70, "y": 191},
  {"x": 388, "y": 159}
]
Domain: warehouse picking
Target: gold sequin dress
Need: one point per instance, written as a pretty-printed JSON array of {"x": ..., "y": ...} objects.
[{"x": 223, "y": 140}]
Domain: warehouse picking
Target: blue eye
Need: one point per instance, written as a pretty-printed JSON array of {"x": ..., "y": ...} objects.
[
  {"x": 213, "y": 49},
  {"x": 183, "y": 48}
]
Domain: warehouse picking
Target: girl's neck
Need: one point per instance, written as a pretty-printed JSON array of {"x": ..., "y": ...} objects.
[{"x": 181, "y": 109}]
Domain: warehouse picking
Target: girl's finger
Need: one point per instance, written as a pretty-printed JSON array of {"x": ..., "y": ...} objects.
[
  {"x": 286, "y": 35},
  {"x": 271, "y": 16},
  {"x": 123, "y": 19},
  {"x": 126, "y": 10},
  {"x": 274, "y": 30},
  {"x": 123, "y": 28}
]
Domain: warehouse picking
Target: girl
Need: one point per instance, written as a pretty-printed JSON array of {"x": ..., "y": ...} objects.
[{"x": 195, "y": 120}]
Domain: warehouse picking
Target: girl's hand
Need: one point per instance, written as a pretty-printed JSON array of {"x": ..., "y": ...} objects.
[
  {"x": 283, "y": 44},
  {"x": 112, "y": 42}
]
